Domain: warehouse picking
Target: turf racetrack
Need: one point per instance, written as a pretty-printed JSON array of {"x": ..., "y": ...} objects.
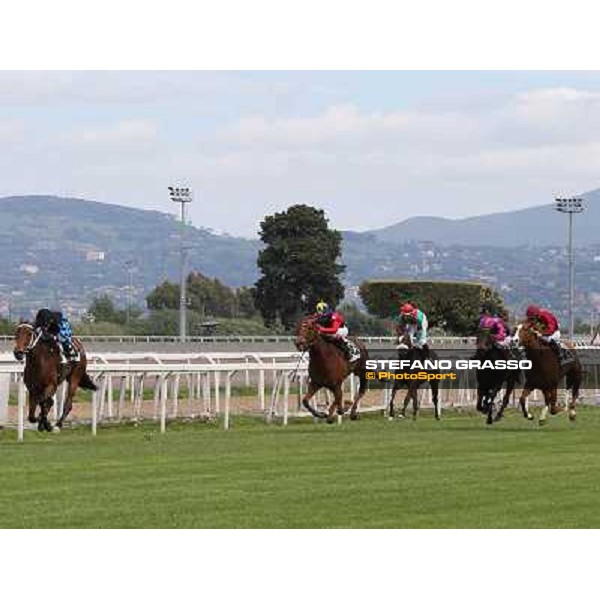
[{"x": 371, "y": 473}]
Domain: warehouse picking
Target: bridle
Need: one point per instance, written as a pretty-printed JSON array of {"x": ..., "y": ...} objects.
[
  {"x": 303, "y": 341},
  {"x": 35, "y": 337}
]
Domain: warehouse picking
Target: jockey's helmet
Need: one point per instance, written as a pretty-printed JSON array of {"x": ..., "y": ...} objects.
[
  {"x": 322, "y": 307},
  {"x": 407, "y": 310},
  {"x": 486, "y": 309},
  {"x": 533, "y": 311}
]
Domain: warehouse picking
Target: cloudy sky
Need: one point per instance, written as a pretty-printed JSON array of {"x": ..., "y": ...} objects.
[{"x": 372, "y": 148}]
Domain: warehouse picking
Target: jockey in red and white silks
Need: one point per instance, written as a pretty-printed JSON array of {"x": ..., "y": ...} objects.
[{"x": 332, "y": 324}]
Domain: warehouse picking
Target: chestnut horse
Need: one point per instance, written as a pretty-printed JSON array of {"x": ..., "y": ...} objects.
[
  {"x": 407, "y": 351},
  {"x": 328, "y": 367},
  {"x": 545, "y": 375},
  {"x": 44, "y": 372},
  {"x": 490, "y": 381}
]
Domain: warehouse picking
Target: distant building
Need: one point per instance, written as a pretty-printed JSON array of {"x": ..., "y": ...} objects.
[
  {"x": 94, "y": 256},
  {"x": 29, "y": 269}
]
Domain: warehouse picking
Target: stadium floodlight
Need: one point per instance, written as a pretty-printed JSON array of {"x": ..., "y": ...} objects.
[
  {"x": 570, "y": 206},
  {"x": 183, "y": 195}
]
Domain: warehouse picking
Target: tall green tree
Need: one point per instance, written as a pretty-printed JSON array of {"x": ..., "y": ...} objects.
[
  {"x": 104, "y": 310},
  {"x": 298, "y": 264}
]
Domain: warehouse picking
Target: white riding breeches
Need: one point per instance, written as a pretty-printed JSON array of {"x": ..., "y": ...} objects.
[
  {"x": 342, "y": 332},
  {"x": 555, "y": 337}
]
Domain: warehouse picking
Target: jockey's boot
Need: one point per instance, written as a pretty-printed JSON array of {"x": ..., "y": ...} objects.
[
  {"x": 352, "y": 351},
  {"x": 69, "y": 351},
  {"x": 564, "y": 355}
]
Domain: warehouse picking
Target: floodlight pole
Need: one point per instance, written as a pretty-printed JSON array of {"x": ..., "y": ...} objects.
[
  {"x": 570, "y": 206},
  {"x": 183, "y": 195}
]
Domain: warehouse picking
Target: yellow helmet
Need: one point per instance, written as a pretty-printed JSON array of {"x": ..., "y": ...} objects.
[{"x": 322, "y": 306}]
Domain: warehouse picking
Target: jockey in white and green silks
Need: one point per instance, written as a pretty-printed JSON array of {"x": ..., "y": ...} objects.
[{"x": 414, "y": 322}]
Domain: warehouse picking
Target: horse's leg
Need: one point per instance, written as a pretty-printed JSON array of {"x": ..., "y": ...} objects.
[
  {"x": 573, "y": 383},
  {"x": 435, "y": 388},
  {"x": 362, "y": 388},
  {"x": 490, "y": 407},
  {"x": 68, "y": 405},
  {"x": 405, "y": 403},
  {"x": 525, "y": 404},
  {"x": 45, "y": 406},
  {"x": 336, "y": 405},
  {"x": 552, "y": 401},
  {"x": 395, "y": 388},
  {"x": 415, "y": 401},
  {"x": 32, "y": 402},
  {"x": 480, "y": 396},
  {"x": 313, "y": 388},
  {"x": 510, "y": 386}
]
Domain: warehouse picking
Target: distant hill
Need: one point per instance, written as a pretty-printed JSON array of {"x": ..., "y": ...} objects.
[
  {"x": 65, "y": 247},
  {"x": 538, "y": 226},
  {"x": 65, "y": 251}
]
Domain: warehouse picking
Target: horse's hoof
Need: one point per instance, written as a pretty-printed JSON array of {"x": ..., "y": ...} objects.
[
  {"x": 401, "y": 416},
  {"x": 55, "y": 430},
  {"x": 330, "y": 420},
  {"x": 353, "y": 416},
  {"x": 530, "y": 417},
  {"x": 572, "y": 415},
  {"x": 542, "y": 422},
  {"x": 32, "y": 419},
  {"x": 41, "y": 426}
]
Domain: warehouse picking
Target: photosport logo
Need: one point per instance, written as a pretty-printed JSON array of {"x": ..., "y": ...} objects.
[{"x": 457, "y": 369}]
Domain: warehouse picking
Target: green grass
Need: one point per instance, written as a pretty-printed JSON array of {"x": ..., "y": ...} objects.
[{"x": 372, "y": 473}]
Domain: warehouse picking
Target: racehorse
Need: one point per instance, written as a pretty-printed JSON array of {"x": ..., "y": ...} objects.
[
  {"x": 407, "y": 351},
  {"x": 490, "y": 381},
  {"x": 328, "y": 367},
  {"x": 546, "y": 373},
  {"x": 44, "y": 372}
]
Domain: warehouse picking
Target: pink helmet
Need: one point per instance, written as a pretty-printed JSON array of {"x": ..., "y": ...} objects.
[{"x": 533, "y": 311}]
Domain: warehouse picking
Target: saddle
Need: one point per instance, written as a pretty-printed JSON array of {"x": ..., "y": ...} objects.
[{"x": 347, "y": 346}]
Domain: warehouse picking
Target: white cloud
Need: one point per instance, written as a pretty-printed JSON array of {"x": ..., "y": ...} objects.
[
  {"x": 366, "y": 166},
  {"x": 116, "y": 134}
]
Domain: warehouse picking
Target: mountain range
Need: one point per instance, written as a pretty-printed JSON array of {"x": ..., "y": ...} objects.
[{"x": 65, "y": 251}]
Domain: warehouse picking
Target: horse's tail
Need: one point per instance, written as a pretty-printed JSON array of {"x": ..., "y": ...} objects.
[{"x": 86, "y": 383}]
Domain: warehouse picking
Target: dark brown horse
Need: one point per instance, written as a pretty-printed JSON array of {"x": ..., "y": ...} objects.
[
  {"x": 44, "y": 372},
  {"x": 328, "y": 367},
  {"x": 412, "y": 353},
  {"x": 545, "y": 375},
  {"x": 490, "y": 381}
]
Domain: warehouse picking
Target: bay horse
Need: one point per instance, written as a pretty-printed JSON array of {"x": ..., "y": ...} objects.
[
  {"x": 44, "y": 372},
  {"x": 490, "y": 381},
  {"x": 328, "y": 367},
  {"x": 546, "y": 373},
  {"x": 408, "y": 351}
]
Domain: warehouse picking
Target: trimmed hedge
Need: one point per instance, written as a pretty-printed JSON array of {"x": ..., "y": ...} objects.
[{"x": 451, "y": 305}]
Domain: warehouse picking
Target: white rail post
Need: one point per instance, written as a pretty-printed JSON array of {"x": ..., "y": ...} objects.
[
  {"x": 206, "y": 392},
  {"x": 261, "y": 389},
  {"x": 286, "y": 397},
  {"x": 227, "y": 398},
  {"x": 217, "y": 392},
  {"x": 175, "y": 391},
  {"x": 21, "y": 409},
  {"x": 109, "y": 397},
  {"x": 95, "y": 411},
  {"x": 164, "y": 392}
]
